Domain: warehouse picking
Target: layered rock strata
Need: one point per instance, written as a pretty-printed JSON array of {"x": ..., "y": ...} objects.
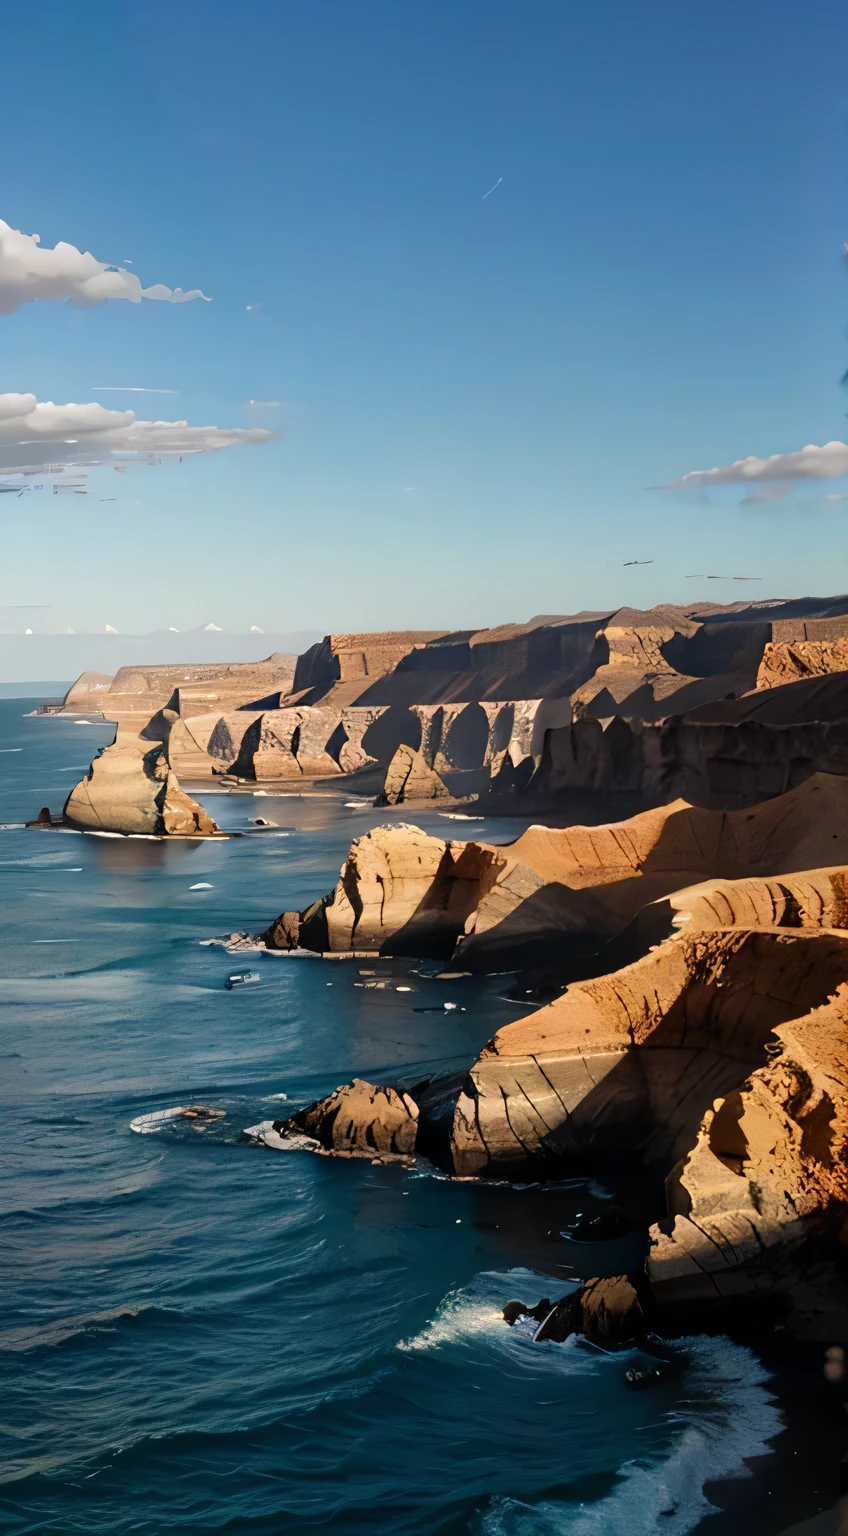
[
  {"x": 136, "y": 693},
  {"x": 403, "y": 892},
  {"x": 724, "y": 755},
  {"x": 721, "y": 1057},
  {"x": 632, "y": 1061},
  {"x": 769, "y": 1163},
  {"x": 396, "y": 885}
]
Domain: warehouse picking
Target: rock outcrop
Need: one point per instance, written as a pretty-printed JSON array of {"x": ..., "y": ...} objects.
[
  {"x": 403, "y": 892},
  {"x": 789, "y": 661},
  {"x": 723, "y": 755},
  {"x": 768, "y": 1165},
  {"x": 358, "y": 1120},
  {"x": 400, "y": 891},
  {"x": 608, "y": 1312},
  {"x": 132, "y": 791},
  {"x": 409, "y": 778},
  {"x": 135, "y": 694},
  {"x": 85, "y": 696},
  {"x": 354, "y": 658},
  {"x": 600, "y": 704}
]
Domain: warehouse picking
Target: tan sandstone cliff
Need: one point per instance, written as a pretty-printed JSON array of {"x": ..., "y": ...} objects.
[
  {"x": 404, "y": 892},
  {"x": 132, "y": 791}
]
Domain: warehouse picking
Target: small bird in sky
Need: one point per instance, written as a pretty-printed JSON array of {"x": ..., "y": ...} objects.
[{"x": 491, "y": 189}]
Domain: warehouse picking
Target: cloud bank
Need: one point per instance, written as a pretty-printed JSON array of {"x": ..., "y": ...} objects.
[
  {"x": 27, "y": 273},
  {"x": 44, "y": 436},
  {"x": 810, "y": 463}
]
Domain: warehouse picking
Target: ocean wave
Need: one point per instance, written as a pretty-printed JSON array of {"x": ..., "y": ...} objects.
[
  {"x": 476, "y": 1310},
  {"x": 60, "y": 1330},
  {"x": 728, "y": 1416}
]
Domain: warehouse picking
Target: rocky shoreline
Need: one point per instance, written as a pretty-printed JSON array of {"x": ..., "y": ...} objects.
[{"x": 691, "y": 953}]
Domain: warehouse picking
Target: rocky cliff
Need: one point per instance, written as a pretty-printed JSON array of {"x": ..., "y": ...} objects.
[
  {"x": 623, "y": 702},
  {"x": 557, "y": 891}
]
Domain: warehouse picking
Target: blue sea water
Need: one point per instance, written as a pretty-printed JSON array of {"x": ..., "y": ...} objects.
[{"x": 202, "y": 1335}]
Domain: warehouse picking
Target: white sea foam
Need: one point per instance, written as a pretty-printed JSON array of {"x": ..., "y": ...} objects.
[
  {"x": 477, "y": 1309},
  {"x": 149, "y": 1124},
  {"x": 727, "y": 1416},
  {"x": 265, "y": 1134},
  {"x": 722, "y": 1415}
]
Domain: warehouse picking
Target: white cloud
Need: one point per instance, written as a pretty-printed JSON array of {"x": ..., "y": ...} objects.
[
  {"x": 129, "y": 389},
  {"x": 768, "y": 493},
  {"x": 810, "y": 463},
  {"x": 42, "y": 435},
  {"x": 27, "y": 272}
]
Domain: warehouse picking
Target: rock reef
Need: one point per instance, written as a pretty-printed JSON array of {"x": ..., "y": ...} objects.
[{"x": 358, "y": 1120}]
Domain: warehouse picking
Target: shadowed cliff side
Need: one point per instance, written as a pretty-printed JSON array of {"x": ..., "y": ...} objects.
[{"x": 403, "y": 892}]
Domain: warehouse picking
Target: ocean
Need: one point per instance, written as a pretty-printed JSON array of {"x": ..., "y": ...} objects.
[{"x": 198, "y": 1334}]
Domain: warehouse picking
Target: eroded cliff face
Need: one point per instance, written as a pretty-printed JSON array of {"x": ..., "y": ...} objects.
[
  {"x": 136, "y": 693},
  {"x": 769, "y": 1163},
  {"x": 789, "y": 661},
  {"x": 400, "y": 891},
  {"x": 409, "y": 778},
  {"x": 630, "y": 1062},
  {"x": 644, "y": 705},
  {"x": 718, "y": 1057},
  {"x": 132, "y": 791},
  {"x": 403, "y": 892}
]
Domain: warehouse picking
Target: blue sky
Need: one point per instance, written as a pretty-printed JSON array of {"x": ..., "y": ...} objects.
[{"x": 475, "y": 393}]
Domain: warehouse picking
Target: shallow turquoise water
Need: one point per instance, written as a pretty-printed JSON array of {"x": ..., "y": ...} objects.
[{"x": 197, "y": 1334}]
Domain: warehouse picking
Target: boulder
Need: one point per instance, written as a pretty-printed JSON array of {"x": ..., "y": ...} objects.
[
  {"x": 409, "y": 778},
  {"x": 132, "y": 791},
  {"x": 610, "y": 1311},
  {"x": 358, "y": 1120}
]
